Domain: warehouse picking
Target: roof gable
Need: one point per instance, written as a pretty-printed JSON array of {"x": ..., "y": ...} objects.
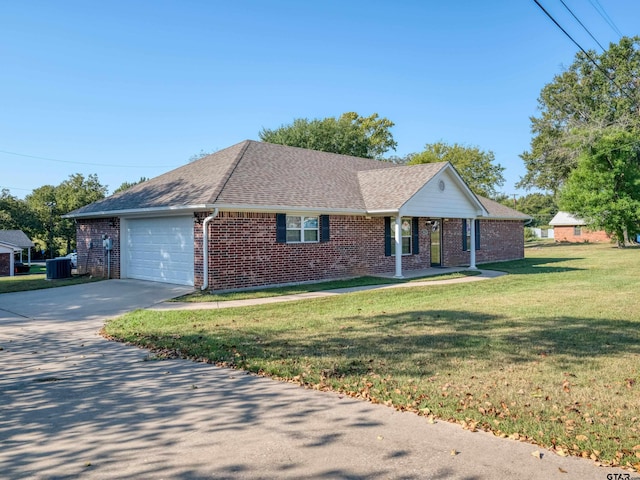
[
  {"x": 392, "y": 188},
  {"x": 564, "y": 219},
  {"x": 16, "y": 238}
]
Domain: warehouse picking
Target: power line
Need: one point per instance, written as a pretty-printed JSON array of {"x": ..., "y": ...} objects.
[
  {"x": 582, "y": 25},
  {"x": 2, "y": 187},
  {"x": 588, "y": 55},
  {"x": 602, "y": 12},
  {"x": 85, "y": 163}
]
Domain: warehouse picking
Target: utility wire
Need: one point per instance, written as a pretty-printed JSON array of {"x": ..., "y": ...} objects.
[
  {"x": 591, "y": 59},
  {"x": 85, "y": 163},
  {"x": 582, "y": 25},
  {"x": 603, "y": 13}
]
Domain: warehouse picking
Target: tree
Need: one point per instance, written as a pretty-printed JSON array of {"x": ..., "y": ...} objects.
[
  {"x": 126, "y": 185},
  {"x": 197, "y": 156},
  {"x": 604, "y": 188},
  {"x": 15, "y": 214},
  {"x": 476, "y": 167},
  {"x": 42, "y": 205},
  {"x": 350, "y": 134},
  {"x": 48, "y": 203},
  {"x": 540, "y": 206},
  {"x": 577, "y": 106},
  {"x": 75, "y": 192}
]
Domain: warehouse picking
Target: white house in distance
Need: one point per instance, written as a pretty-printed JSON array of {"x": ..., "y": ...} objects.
[{"x": 13, "y": 242}]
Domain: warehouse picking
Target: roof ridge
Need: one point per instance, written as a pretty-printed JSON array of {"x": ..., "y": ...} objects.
[{"x": 232, "y": 168}]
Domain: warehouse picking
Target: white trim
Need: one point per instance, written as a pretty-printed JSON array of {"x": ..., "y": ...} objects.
[
  {"x": 398, "y": 242},
  {"x": 472, "y": 241}
]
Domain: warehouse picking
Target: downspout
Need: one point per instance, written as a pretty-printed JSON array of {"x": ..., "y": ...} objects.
[{"x": 205, "y": 249}]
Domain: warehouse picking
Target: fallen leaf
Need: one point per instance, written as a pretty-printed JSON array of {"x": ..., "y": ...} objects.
[
  {"x": 582, "y": 438},
  {"x": 561, "y": 470},
  {"x": 380, "y": 437},
  {"x": 561, "y": 452},
  {"x": 454, "y": 452},
  {"x": 536, "y": 454}
]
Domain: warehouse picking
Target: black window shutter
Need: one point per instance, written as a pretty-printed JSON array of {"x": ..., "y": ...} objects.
[
  {"x": 415, "y": 233},
  {"x": 477, "y": 222},
  {"x": 324, "y": 228},
  {"x": 387, "y": 236},
  {"x": 281, "y": 228},
  {"x": 464, "y": 235}
]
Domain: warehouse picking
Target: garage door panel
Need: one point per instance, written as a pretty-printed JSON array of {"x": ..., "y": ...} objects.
[{"x": 160, "y": 249}]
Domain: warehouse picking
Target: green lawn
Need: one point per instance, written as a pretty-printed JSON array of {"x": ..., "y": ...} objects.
[
  {"x": 198, "y": 297},
  {"x": 35, "y": 280},
  {"x": 549, "y": 354}
]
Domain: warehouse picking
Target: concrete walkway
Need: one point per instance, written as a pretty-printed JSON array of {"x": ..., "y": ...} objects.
[
  {"x": 73, "y": 405},
  {"x": 483, "y": 275}
]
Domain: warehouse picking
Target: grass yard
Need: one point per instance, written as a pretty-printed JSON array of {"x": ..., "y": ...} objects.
[
  {"x": 36, "y": 280},
  {"x": 198, "y": 296},
  {"x": 549, "y": 354}
]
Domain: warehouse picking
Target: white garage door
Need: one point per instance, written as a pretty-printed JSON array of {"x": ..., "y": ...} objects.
[{"x": 159, "y": 249}]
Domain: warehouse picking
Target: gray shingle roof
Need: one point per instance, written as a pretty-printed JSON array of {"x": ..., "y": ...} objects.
[
  {"x": 254, "y": 175},
  {"x": 391, "y": 188},
  {"x": 15, "y": 237},
  {"x": 498, "y": 211}
]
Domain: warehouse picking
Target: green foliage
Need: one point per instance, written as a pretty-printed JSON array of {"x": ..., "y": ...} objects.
[
  {"x": 126, "y": 185},
  {"x": 45, "y": 206},
  {"x": 604, "y": 188},
  {"x": 540, "y": 206},
  {"x": 350, "y": 134},
  {"x": 195, "y": 156},
  {"x": 15, "y": 214},
  {"x": 476, "y": 166},
  {"x": 583, "y": 99}
]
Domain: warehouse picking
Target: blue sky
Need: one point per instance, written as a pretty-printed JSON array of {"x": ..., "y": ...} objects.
[{"x": 125, "y": 89}]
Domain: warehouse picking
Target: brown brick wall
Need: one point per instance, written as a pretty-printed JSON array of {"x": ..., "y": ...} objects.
[
  {"x": 5, "y": 264},
  {"x": 94, "y": 260},
  {"x": 566, "y": 234},
  {"x": 499, "y": 240},
  {"x": 244, "y": 252}
]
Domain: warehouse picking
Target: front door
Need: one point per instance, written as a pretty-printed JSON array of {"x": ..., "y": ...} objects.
[{"x": 436, "y": 234}]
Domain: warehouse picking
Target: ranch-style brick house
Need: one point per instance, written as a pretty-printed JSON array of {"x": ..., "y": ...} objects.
[
  {"x": 568, "y": 228},
  {"x": 257, "y": 214}
]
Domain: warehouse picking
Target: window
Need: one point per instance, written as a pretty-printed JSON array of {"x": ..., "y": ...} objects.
[
  {"x": 410, "y": 236},
  {"x": 577, "y": 231},
  {"x": 405, "y": 228},
  {"x": 466, "y": 234},
  {"x": 302, "y": 229}
]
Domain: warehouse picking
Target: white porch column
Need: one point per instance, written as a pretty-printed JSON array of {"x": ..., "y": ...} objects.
[
  {"x": 472, "y": 241},
  {"x": 398, "y": 240}
]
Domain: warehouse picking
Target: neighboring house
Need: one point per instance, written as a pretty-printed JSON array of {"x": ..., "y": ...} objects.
[
  {"x": 17, "y": 238},
  {"x": 259, "y": 214},
  {"x": 7, "y": 254},
  {"x": 568, "y": 228}
]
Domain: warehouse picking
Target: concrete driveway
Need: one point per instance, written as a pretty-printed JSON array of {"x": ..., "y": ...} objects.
[{"x": 73, "y": 405}]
